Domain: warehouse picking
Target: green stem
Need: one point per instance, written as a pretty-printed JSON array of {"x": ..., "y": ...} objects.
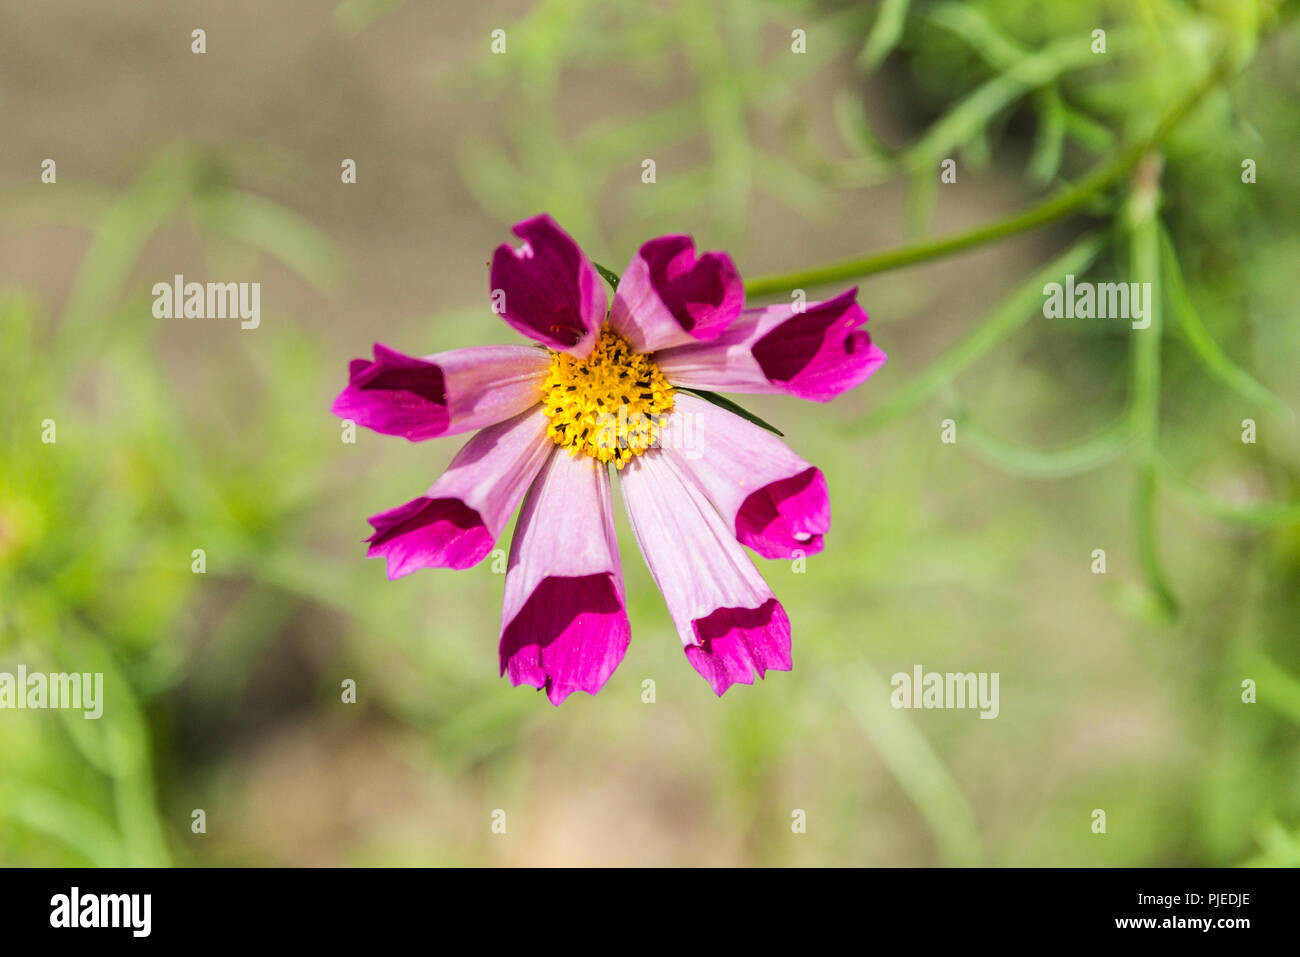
[
  {"x": 1061, "y": 462},
  {"x": 1008, "y": 316},
  {"x": 1144, "y": 391},
  {"x": 1255, "y": 514},
  {"x": 1202, "y": 344},
  {"x": 1053, "y": 208}
]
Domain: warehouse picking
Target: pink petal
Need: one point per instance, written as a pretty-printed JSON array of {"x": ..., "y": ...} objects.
[
  {"x": 455, "y": 523},
  {"x": 774, "y": 501},
  {"x": 428, "y": 533},
  {"x": 396, "y": 395},
  {"x": 787, "y": 518},
  {"x": 564, "y": 627},
  {"x": 442, "y": 394},
  {"x": 552, "y": 292},
  {"x": 814, "y": 354},
  {"x": 668, "y": 297},
  {"x": 735, "y": 643},
  {"x": 570, "y": 636},
  {"x": 720, "y": 604}
]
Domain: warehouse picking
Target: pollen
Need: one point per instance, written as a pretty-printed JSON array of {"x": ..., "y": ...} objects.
[{"x": 610, "y": 405}]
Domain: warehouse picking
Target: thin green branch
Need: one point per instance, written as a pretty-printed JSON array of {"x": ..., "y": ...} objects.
[
  {"x": 972, "y": 115},
  {"x": 1007, "y": 316},
  {"x": 1202, "y": 344},
  {"x": 916, "y": 766},
  {"x": 1148, "y": 547},
  {"x": 885, "y": 33},
  {"x": 1144, "y": 392},
  {"x": 1063, "y": 461},
  {"x": 1254, "y": 514},
  {"x": 1055, "y": 207}
]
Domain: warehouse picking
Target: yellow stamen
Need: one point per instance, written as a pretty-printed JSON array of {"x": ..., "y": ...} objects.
[{"x": 610, "y": 405}]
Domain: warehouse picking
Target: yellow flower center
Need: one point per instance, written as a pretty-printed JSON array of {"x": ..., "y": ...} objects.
[{"x": 610, "y": 405}]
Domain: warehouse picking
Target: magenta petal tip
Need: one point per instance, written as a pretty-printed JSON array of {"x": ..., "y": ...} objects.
[
  {"x": 570, "y": 636},
  {"x": 547, "y": 289},
  {"x": 429, "y": 533},
  {"x": 395, "y": 394},
  {"x": 736, "y": 643},
  {"x": 786, "y": 518}
]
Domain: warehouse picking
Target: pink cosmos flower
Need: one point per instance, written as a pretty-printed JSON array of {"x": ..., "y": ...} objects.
[{"x": 700, "y": 483}]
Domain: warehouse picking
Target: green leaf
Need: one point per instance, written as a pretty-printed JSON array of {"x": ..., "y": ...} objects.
[
  {"x": 608, "y": 275},
  {"x": 724, "y": 403},
  {"x": 978, "y": 108},
  {"x": 884, "y": 34},
  {"x": 1049, "y": 139}
]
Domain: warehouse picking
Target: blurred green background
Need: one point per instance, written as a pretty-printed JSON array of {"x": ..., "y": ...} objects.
[{"x": 1119, "y": 691}]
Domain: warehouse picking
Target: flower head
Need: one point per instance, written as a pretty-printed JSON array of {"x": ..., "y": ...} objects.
[{"x": 700, "y": 483}]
